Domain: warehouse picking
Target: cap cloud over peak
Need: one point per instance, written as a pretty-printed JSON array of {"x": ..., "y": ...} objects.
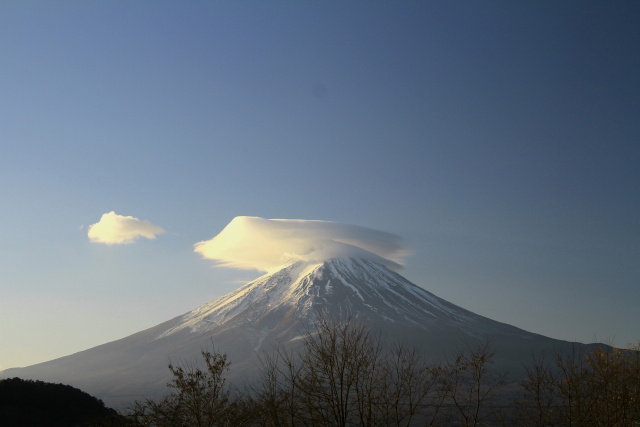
[{"x": 256, "y": 243}]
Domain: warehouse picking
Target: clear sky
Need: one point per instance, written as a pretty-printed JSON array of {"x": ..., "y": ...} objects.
[{"x": 500, "y": 139}]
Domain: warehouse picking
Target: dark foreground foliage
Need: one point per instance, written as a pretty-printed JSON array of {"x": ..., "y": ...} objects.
[
  {"x": 347, "y": 376},
  {"x": 600, "y": 388},
  {"x": 37, "y": 403}
]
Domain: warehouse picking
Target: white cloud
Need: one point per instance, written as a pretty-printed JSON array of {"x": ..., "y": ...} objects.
[
  {"x": 264, "y": 244},
  {"x": 114, "y": 229}
]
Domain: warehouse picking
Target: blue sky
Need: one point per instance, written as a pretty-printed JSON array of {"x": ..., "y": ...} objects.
[{"x": 498, "y": 138}]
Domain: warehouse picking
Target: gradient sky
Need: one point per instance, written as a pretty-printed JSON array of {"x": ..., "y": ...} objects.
[{"x": 499, "y": 138}]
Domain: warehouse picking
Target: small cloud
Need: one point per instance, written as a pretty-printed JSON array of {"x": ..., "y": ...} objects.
[
  {"x": 114, "y": 229},
  {"x": 265, "y": 244}
]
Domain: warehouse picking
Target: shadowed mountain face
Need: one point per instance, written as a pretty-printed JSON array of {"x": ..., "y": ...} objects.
[{"x": 280, "y": 308}]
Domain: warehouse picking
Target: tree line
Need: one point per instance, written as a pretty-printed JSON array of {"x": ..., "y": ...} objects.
[{"x": 346, "y": 375}]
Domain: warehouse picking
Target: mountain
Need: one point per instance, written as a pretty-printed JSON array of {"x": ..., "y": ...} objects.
[{"x": 279, "y": 308}]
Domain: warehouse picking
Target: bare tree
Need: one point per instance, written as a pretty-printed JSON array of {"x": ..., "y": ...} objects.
[
  {"x": 344, "y": 376},
  {"x": 614, "y": 382},
  {"x": 539, "y": 401},
  {"x": 596, "y": 388},
  {"x": 274, "y": 398},
  {"x": 338, "y": 374},
  {"x": 199, "y": 396},
  {"x": 469, "y": 383},
  {"x": 410, "y": 388}
]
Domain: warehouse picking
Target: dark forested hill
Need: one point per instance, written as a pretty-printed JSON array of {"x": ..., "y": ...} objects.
[{"x": 38, "y": 403}]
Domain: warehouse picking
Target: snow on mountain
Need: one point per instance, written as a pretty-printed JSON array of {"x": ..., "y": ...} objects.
[{"x": 342, "y": 288}]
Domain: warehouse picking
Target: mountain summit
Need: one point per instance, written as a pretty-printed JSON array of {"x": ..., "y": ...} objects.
[
  {"x": 278, "y": 304},
  {"x": 278, "y": 309}
]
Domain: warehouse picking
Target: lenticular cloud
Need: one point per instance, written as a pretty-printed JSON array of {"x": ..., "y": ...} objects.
[
  {"x": 255, "y": 243},
  {"x": 114, "y": 229}
]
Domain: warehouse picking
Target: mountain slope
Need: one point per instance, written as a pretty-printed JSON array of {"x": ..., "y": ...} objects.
[
  {"x": 279, "y": 308},
  {"x": 340, "y": 288}
]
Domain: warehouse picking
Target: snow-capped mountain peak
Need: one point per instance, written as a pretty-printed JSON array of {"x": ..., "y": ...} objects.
[{"x": 339, "y": 287}]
